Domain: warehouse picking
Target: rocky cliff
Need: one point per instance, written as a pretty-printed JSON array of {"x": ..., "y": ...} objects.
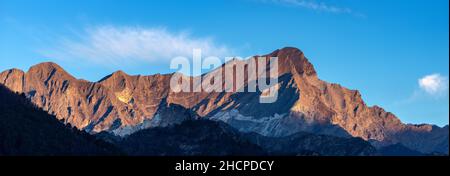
[{"x": 122, "y": 103}]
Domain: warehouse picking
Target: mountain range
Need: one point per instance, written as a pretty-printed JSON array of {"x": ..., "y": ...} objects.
[
  {"x": 27, "y": 130},
  {"x": 128, "y": 105}
]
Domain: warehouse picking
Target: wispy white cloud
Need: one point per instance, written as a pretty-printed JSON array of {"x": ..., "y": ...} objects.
[
  {"x": 315, "y": 5},
  {"x": 124, "y": 44},
  {"x": 434, "y": 84}
]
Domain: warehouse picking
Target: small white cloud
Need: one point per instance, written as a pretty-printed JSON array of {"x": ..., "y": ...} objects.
[
  {"x": 123, "y": 44},
  {"x": 434, "y": 84}
]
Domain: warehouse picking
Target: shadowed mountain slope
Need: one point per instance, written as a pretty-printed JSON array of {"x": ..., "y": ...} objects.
[{"x": 27, "y": 130}]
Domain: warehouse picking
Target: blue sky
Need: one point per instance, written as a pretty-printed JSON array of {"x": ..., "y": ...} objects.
[{"x": 394, "y": 51}]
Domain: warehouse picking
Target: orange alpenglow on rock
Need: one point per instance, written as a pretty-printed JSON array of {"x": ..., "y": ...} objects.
[{"x": 123, "y": 104}]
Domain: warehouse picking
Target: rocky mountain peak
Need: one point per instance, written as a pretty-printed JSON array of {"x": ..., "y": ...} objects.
[
  {"x": 118, "y": 81},
  {"x": 116, "y": 75},
  {"x": 12, "y": 78},
  {"x": 46, "y": 66},
  {"x": 119, "y": 73},
  {"x": 49, "y": 70},
  {"x": 15, "y": 71},
  {"x": 292, "y": 60}
]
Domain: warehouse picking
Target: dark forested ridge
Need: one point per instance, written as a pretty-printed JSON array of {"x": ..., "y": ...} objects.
[
  {"x": 28, "y": 130},
  {"x": 190, "y": 138},
  {"x": 399, "y": 150},
  {"x": 213, "y": 138}
]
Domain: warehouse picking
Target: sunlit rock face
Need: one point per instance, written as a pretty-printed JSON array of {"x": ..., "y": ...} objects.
[
  {"x": 123, "y": 104},
  {"x": 13, "y": 79}
]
